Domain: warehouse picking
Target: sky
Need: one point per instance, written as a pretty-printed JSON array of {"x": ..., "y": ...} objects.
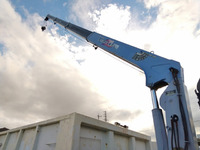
[{"x": 53, "y": 73}]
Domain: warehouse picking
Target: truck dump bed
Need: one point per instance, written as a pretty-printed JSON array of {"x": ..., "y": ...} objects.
[{"x": 73, "y": 132}]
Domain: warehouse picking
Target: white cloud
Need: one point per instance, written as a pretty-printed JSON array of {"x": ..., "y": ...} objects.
[
  {"x": 80, "y": 10},
  {"x": 152, "y": 3},
  {"x": 64, "y": 4},
  {"x": 45, "y": 1},
  {"x": 107, "y": 18},
  {"x": 179, "y": 16},
  {"x": 38, "y": 78}
]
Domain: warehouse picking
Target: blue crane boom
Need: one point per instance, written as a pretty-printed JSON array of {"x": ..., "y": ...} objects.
[
  {"x": 156, "y": 68},
  {"x": 179, "y": 132}
]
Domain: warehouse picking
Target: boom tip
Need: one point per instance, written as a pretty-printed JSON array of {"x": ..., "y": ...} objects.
[{"x": 46, "y": 19}]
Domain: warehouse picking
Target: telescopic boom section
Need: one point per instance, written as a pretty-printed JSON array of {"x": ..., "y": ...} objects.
[
  {"x": 156, "y": 68},
  {"x": 76, "y": 29}
]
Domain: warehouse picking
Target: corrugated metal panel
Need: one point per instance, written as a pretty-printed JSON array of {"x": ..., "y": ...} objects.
[
  {"x": 73, "y": 132},
  {"x": 27, "y": 139},
  {"x": 121, "y": 142}
]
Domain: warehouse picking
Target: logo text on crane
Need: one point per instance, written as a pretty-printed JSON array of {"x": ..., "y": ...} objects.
[
  {"x": 139, "y": 56},
  {"x": 108, "y": 43}
]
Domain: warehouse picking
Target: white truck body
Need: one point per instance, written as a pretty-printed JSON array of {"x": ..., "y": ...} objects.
[{"x": 73, "y": 132}]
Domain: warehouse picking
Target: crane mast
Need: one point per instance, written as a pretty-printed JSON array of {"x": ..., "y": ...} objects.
[{"x": 178, "y": 133}]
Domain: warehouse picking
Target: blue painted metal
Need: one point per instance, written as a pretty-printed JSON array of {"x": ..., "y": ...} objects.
[{"x": 156, "y": 68}]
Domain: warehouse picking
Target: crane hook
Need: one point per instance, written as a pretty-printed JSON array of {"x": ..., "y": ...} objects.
[{"x": 43, "y": 28}]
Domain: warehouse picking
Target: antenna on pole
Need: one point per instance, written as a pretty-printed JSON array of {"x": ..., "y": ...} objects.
[
  {"x": 105, "y": 116},
  {"x": 98, "y": 116}
]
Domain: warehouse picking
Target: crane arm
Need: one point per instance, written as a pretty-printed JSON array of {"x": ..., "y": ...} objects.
[
  {"x": 179, "y": 133},
  {"x": 156, "y": 68}
]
